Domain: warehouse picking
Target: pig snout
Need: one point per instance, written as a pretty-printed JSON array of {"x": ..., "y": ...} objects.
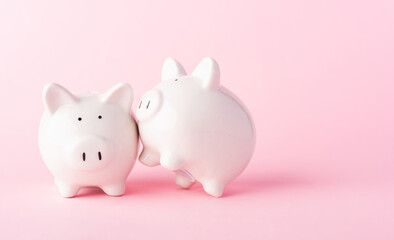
[
  {"x": 90, "y": 153},
  {"x": 149, "y": 105}
]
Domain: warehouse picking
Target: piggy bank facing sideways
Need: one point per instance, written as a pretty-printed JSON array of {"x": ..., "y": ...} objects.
[
  {"x": 88, "y": 140},
  {"x": 195, "y": 127}
]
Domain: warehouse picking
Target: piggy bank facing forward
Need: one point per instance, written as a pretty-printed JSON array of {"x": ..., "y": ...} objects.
[
  {"x": 195, "y": 127},
  {"x": 88, "y": 140}
]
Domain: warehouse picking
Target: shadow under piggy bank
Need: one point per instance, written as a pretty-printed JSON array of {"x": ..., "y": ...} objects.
[{"x": 248, "y": 185}]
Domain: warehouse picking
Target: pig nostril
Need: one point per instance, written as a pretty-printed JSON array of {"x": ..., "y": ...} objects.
[
  {"x": 83, "y": 156},
  {"x": 140, "y": 104},
  {"x": 148, "y": 104},
  {"x": 99, "y": 155}
]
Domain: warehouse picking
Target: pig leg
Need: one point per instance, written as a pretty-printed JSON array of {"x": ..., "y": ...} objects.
[
  {"x": 115, "y": 189},
  {"x": 170, "y": 162},
  {"x": 67, "y": 190},
  {"x": 148, "y": 158},
  {"x": 213, "y": 188},
  {"x": 183, "y": 178}
]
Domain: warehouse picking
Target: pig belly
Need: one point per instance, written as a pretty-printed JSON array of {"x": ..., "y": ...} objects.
[{"x": 217, "y": 158}]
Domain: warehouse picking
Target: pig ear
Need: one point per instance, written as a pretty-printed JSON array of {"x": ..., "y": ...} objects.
[
  {"x": 55, "y": 96},
  {"x": 208, "y": 72},
  {"x": 121, "y": 94},
  {"x": 171, "y": 69}
]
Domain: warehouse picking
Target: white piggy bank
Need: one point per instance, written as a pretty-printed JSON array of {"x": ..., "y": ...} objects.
[
  {"x": 88, "y": 140},
  {"x": 195, "y": 127}
]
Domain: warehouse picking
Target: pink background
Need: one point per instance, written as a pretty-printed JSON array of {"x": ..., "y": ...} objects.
[{"x": 317, "y": 76}]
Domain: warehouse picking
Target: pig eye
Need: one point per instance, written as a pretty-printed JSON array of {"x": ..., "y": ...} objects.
[
  {"x": 100, "y": 117},
  {"x": 79, "y": 119},
  {"x": 176, "y": 79}
]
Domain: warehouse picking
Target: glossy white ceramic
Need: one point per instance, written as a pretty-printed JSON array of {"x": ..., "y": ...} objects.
[
  {"x": 194, "y": 126},
  {"x": 90, "y": 139}
]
